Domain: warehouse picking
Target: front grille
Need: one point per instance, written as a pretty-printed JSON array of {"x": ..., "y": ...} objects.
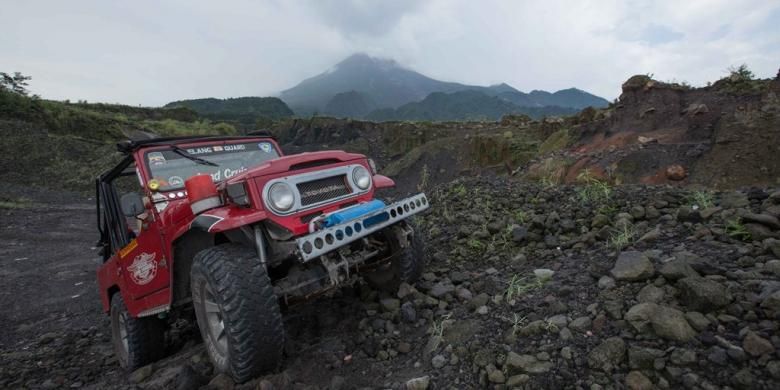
[{"x": 322, "y": 190}]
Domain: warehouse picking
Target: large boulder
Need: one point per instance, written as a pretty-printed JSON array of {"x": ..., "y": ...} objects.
[
  {"x": 767, "y": 220},
  {"x": 733, "y": 200},
  {"x": 632, "y": 266},
  {"x": 665, "y": 322},
  {"x": 637, "y": 82},
  {"x": 773, "y": 246},
  {"x": 772, "y": 303},
  {"x": 675, "y": 172},
  {"x": 640, "y": 315},
  {"x": 677, "y": 269},
  {"x": 608, "y": 355},
  {"x": 420, "y": 383},
  {"x": 635, "y": 380},
  {"x": 757, "y": 345},
  {"x": 671, "y": 324},
  {"x": 526, "y": 364},
  {"x": 703, "y": 294}
]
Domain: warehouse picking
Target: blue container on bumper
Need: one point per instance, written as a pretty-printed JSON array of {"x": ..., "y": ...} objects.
[{"x": 353, "y": 212}]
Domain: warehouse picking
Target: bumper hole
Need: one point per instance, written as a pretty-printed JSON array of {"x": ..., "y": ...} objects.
[
  {"x": 339, "y": 235},
  {"x": 348, "y": 231},
  {"x": 358, "y": 227},
  {"x": 318, "y": 243},
  {"x": 307, "y": 247},
  {"x": 329, "y": 238}
]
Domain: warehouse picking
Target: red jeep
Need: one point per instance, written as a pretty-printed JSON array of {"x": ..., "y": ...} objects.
[{"x": 228, "y": 226}]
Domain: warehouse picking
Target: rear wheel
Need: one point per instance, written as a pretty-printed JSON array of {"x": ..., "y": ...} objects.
[
  {"x": 137, "y": 341},
  {"x": 406, "y": 265},
  {"x": 238, "y": 313}
]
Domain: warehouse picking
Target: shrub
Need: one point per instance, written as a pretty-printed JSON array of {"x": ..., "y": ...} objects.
[
  {"x": 701, "y": 199},
  {"x": 736, "y": 229},
  {"x": 593, "y": 190}
]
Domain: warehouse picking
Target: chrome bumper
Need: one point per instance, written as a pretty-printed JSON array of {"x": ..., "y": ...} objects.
[{"x": 323, "y": 241}]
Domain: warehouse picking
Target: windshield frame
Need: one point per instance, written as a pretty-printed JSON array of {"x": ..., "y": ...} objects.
[{"x": 146, "y": 171}]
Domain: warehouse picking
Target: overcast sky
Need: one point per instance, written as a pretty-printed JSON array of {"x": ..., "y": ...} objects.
[{"x": 149, "y": 53}]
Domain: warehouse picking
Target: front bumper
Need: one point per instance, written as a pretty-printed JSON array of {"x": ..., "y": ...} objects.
[{"x": 323, "y": 241}]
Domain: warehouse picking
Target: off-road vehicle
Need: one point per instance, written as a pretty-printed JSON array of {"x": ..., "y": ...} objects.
[{"x": 227, "y": 227}]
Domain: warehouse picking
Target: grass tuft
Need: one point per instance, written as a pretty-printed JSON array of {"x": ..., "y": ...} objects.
[
  {"x": 622, "y": 237},
  {"x": 701, "y": 200},
  {"x": 735, "y": 229},
  {"x": 519, "y": 286},
  {"x": 475, "y": 244},
  {"x": 518, "y": 322},
  {"x": 437, "y": 329},
  {"x": 592, "y": 190}
]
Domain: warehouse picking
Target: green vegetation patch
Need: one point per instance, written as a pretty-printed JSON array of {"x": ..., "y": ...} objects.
[{"x": 556, "y": 141}]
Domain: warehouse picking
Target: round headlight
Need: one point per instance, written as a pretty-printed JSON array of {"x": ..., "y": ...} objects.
[
  {"x": 281, "y": 197},
  {"x": 361, "y": 178}
]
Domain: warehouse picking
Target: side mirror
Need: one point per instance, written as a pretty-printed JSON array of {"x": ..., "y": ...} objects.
[{"x": 132, "y": 204}]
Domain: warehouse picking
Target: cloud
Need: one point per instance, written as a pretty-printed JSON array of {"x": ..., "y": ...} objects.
[
  {"x": 151, "y": 53},
  {"x": 362, "y": 17},
  {"x": 656, "y": 34}
]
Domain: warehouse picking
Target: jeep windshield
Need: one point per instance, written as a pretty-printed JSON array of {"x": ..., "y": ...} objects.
[{"x": 172, "y": 167}]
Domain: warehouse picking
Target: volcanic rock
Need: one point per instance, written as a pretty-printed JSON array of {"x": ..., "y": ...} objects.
[
  {"x": 632, "y": 266},
  {"x": 757, "y": 345},
  {"x": 703, "y": 294},
  {"x": 675, "y": 172},
  {"x": 608, "y": 355}
]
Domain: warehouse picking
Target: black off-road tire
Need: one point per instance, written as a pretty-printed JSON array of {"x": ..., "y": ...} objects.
[
  {"x": 406, "y": 266},
  {"x": 145, "y": 337},
  {"x": 230, "y": 286}
]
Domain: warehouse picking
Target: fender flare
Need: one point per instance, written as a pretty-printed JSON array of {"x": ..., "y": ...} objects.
[{"x": 222, "y": 219}]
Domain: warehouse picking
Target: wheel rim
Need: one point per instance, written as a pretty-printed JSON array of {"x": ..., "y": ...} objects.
[
  {"x": 215, "y": 322},
  {"x": 123, "y": 332},
  {"x": 119, "y": 329}
]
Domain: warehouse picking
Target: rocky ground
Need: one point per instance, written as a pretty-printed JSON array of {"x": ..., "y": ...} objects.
[{"x": 527, "y": 286}]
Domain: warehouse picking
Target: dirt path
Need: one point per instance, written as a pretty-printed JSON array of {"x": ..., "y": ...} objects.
[{"x": 48, "y": 271}]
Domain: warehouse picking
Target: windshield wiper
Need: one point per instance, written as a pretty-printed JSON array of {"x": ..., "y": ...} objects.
[{"x": 183, "y": 153}]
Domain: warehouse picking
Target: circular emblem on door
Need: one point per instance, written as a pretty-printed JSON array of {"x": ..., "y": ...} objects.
[{"x": 143, "y": 269}]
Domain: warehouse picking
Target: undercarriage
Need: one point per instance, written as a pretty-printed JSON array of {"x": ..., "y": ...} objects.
[
  {"x": 338, "y": 268},
  {"x": 335, "y": 255}
]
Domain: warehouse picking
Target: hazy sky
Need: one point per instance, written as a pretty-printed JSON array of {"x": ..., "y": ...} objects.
[{"x": 152, "y": 52}]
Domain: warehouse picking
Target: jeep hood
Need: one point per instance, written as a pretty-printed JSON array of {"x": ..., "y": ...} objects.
[{"x": 296, "y": 162}]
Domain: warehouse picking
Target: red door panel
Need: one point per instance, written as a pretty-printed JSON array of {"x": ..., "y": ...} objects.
[{"x": 145, "y": 268}]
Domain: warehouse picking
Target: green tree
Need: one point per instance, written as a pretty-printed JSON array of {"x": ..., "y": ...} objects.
[
  {"x": 741, "y": 72},
  {"x": 16, "y": 83}
]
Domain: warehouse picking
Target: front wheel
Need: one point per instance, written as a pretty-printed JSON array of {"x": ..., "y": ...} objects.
[
  {"x": 408, "y": 262},
  {"x": 237, "y": 311},
  {"x": 137, "y": 341}
]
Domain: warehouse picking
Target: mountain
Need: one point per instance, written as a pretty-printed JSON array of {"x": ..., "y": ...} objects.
[
  {"x": 461, "y": 106},
  {"x": 388, "y": 85},
  {"x": 383, "y": 80},
  {"x": 571, "y": 97},
  {"x": 351, "y": 104},
  {"x": 243, "y": 110}
]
